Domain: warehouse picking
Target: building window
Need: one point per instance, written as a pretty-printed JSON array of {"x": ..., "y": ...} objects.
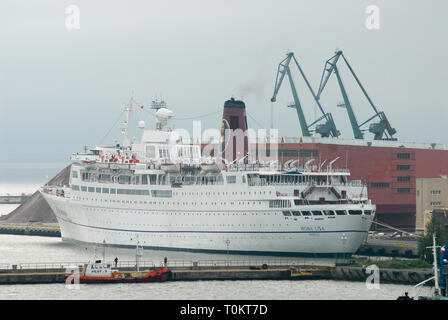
[
  {"x": 435, "y": 192},
  {"x": 404, "y": 190},
  {"x": 435, "y": 204},
  {"x": 403, "y": 167},
  {"x": 403, "y": 155},
  {"x": 380, "y": 184},
  {"x": 403, "y": 178}
]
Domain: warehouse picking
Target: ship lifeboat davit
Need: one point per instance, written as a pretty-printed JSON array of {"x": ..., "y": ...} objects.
[
  {"x": 210, "y": 167},
  {"x": 169, "y": 167}
]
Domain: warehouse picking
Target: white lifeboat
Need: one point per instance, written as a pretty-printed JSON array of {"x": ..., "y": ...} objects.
[
  {"x": 210, "y": 167},
  {"x": 169, "y": 167}
]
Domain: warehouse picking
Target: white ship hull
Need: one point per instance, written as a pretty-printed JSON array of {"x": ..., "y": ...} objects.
[{"x": 241, "y": 231}]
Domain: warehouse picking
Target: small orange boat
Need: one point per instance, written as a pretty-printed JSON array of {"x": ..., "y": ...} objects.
[{"x": 99, "y": 272}]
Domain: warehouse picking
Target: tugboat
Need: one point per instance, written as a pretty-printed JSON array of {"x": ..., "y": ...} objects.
[{"x": 101, "y": 272}]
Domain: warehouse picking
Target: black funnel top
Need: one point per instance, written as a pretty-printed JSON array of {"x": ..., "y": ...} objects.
[{"x": 232, "y": 103}]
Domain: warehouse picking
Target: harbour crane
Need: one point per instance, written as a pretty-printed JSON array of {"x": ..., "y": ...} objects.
[
  {"x": 380, "y": 129},
  {"x": 326, "y": 129}
]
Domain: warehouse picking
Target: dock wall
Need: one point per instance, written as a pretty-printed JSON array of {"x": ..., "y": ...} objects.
[
  {"x": 400, "y": 249},
  {"x": 16, "y": 274},
  {"x": 396, "y": 276},
  {"x": 30, "y": 230}
]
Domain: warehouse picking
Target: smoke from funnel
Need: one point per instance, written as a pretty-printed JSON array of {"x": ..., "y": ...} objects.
[{"x": 250, "y": 89}]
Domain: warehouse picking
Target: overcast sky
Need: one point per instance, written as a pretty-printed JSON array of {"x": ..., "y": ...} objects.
[{"x": 62, "y": 88}]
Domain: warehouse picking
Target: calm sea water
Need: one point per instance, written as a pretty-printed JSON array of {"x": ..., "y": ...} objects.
[{"x": 14, "y": 249}]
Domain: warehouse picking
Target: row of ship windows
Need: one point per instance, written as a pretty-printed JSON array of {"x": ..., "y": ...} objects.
[
  {"x": 222, "y": 193},
  {"x": 171, "y": 203},
  {"x": 154, "y": 193},
  {"x": 213, "y": 225},
  {"x": 326, "y": 212},
  {"x": 186, "y": 213},
  {"x": 285, "y": 213},
  {"x": 159, "y": 193},
  {"x": 199, "y": 237},
  {"x": 279, "y": 204}
]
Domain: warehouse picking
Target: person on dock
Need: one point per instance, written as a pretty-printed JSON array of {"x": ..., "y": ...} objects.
[
  {"x": 165, "y": 261},
  {"x": 405, "y": 297},
  {"x": 116, "y": 261}
]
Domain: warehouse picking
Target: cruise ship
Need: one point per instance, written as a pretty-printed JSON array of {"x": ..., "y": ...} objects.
[{"x": 164, "y": 194}]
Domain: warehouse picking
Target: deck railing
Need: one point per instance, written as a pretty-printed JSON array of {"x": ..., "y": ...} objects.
[{"x": 46, "y": 266}]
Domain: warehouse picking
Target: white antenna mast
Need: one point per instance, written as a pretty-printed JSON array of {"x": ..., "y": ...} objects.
[
  {"x": 127, "y": 129},
  {"x": 434, "y": 253}
]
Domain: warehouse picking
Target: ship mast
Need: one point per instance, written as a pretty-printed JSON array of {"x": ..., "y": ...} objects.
[
  {"x": 434, "y": 253},
  {"x": 138, "y": 255},
  {"x": 127, "y": 124}
]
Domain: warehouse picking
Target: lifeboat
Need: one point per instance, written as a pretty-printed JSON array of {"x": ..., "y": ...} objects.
[
  {"x": 169, "y": 167},
  {"x": 210, "y": 167}
]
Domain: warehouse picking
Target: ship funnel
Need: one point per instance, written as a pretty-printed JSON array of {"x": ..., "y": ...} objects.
[{"x": 234, "y": 141}]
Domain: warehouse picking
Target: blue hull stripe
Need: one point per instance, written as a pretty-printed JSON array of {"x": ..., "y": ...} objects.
[{"x": 208, "y": 231}]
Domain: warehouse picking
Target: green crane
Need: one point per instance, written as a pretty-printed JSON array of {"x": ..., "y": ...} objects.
[
  {"x": 326, "y": 129},
  {"x": 379, "y": 129}
]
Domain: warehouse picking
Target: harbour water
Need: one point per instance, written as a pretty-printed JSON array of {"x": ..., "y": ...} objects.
[{"x": 18, "y": 249}]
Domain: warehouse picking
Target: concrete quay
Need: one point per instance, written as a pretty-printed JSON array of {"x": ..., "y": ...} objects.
[
  {"x": 44, "y": 230},
  {"x": 389, "y": 248},
  {"x": 180, "y": 270},
  {"x": 17, "y": 199},
  {"x": 395, "y": 276}
]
